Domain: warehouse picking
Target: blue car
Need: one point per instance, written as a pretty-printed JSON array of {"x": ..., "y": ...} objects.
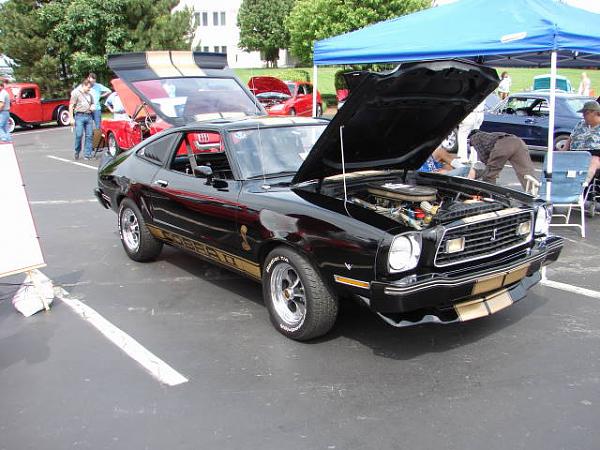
[{"x": 526, "y": 116}]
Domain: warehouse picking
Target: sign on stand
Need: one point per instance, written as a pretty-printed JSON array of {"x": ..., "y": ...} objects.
[{"x": 19, "y": 242}]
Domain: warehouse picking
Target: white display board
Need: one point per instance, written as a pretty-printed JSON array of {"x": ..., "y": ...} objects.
[{"x": 19, "y": 243}]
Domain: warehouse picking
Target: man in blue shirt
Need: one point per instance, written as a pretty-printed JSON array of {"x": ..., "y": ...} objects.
[{"x": 98, "y": 91}]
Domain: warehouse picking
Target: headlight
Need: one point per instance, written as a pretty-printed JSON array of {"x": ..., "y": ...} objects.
[
  {"x": 543, "y": 215},
  {"x": 404, "y": 252}
]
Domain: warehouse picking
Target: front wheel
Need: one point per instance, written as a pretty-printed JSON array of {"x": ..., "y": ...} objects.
[
  {"x": 11, "y": 124},
  {"x": 113, "y": 145},
  {"x": 300, "y": 305},
  {"x": 560, "y": 142},
  {"x": 63, "y": 118},
  {"x": 137, "y": 241}
]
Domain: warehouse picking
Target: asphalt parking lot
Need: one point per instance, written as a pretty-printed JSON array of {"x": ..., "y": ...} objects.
[{"x": 527, "y": 377}]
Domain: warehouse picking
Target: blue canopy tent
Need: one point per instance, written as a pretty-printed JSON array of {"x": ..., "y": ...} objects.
[{"x": 536, "y": 33}]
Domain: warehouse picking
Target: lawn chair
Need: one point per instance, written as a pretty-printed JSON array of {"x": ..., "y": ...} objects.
[
  {"x": 569, "y": 172},
  {"x": 592, "y": 195}
]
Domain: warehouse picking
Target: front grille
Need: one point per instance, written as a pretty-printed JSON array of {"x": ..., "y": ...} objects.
[{"x": 484, "y": 238}]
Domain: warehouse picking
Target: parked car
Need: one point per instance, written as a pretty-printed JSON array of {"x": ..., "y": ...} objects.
[
  {"x": 276, "y": 201},
  {"x": 451, "y": 141},
  {"x": 28, "y": 108},
  {"x": 526, "y": 116},
  {"x": 199, "y": 86},
  {"x": 542, "y": 83},
  {"x": 285, "y": 98}
]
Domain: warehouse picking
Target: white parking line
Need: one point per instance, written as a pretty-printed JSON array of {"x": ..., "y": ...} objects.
[
  {"x": 62, "y": 202},
  {"x": 72, "y": 162},
  {"x": 152, "y": 363},
  {"x": 570, "y": 288}
]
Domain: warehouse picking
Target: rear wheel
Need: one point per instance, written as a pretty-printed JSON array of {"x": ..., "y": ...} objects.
[
  {"x": 319, "y": 110},
  {"x": 300, "y": 305},
  {"x": 11, "y": 124},
  {"x": 292, "y": 112},
  {"x": 63, "y": 118},
  {"x": 137, "y": 241}
]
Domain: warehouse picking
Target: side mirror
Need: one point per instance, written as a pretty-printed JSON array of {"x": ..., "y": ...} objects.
[{"x": 204, "y": 172}]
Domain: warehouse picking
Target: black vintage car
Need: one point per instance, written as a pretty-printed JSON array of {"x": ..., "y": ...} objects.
[{"x": 322, "y": 211}]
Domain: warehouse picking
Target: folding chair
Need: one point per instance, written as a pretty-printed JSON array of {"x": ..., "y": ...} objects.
[
  {"x": 592, "y": 194},
  {"x": 569, "y": 172}
]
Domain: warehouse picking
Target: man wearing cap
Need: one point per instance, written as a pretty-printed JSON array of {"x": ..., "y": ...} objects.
[{"x": 586, "y": 135}]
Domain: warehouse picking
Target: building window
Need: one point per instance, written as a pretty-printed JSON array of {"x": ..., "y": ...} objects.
[
  {"x": 205, "y": 49},
  {"x": 223, "y": 18},
  {"x": 223, "y": 49},
  {"x": 205, "y": 19},
  {"x": 216, "y": 49},
  {"x": 215, "y": 18},
  {"x": 197, "y": 19}
]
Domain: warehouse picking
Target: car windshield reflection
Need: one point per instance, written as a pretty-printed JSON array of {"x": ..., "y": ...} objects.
[
  {"x": 190, "y": 97},
  {"x": 275, "y": 151}
]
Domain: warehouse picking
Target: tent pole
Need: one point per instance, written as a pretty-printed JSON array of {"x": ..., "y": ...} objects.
[
  {"x": 314, "y": 93},
  {"x": 550, "y": 157}
]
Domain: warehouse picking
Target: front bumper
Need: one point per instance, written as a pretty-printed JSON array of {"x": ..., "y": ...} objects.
[
  {"x": 443, "y": 291},
  {"x": 102, "y": 198}
]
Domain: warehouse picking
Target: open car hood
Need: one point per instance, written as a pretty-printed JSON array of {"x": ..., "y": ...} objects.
[
  {"x": 131, "y": 102},
  {"x": 175, "y": 84},
  {"x": 260, "y": 85},
  {"x": 396, "y": 120}
]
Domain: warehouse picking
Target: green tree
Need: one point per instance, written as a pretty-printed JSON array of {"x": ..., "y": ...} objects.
[
  {"x": 312, "y": 20},
  {"x": 57, "y": 42},
  {"x": 262, "y": 28}
]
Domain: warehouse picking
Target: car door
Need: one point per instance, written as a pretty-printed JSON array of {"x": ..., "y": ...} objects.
[
  {"x": 197, "y": 213},
  {"x": 511, "y": 117},
  {"x": 30, "y": 106}
]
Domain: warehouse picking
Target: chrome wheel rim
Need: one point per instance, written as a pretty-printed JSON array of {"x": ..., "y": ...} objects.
[
  {"x": 288, "y": 295},
  {"x": 112, "y": 145},
  {"x": 11, "y": 124},
  {"x": 130, "y": 229},
  {"x": 64, "y": 117}
]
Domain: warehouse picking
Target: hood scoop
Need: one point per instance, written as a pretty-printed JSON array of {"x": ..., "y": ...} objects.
[{"x": 395, "y": 120}]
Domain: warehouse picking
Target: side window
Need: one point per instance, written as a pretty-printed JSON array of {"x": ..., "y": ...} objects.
[
  {"x": 308, "y": 88},
  {"x": 28, "y": 93},
  {"x": 202, "y": 148},
  {"x": 158, "y": 151}
]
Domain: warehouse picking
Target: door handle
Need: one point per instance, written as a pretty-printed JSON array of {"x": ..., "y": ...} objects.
[{"x": 161, "y": 183}]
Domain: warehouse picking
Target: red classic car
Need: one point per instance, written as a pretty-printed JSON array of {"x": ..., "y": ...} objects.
[
  {"x": 285, "y": 98},
  {"x": 163, "y": 89},
  {"x": 28, "y": 108}
]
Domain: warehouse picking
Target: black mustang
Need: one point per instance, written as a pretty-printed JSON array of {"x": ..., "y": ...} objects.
[{"x": 319, "y": 211}]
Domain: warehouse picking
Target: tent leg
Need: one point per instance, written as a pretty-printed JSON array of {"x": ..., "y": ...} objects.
[
  {"x": 550, "y": 158},
  {"x": 314, "y": 93}
]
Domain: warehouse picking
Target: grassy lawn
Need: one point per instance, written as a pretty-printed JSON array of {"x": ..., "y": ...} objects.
[{"x": 522, "y": 79}]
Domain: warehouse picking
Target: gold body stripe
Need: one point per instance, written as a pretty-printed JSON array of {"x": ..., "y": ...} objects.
[
  {"x": 184, "y": 61},
  {"x": 161, "y": 65},
  {"x": 352, "y": 282},
  {"x": 207, "y": 251},
  {"x": 484, "y": 285}
]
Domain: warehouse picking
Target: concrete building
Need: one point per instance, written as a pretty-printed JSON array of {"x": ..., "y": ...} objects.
[{"x": 216, "y": 31}]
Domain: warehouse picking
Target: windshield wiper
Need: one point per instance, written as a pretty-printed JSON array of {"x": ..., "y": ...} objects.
[{"x": 283, "y": 173}]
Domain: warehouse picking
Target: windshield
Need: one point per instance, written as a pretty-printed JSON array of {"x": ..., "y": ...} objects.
[
  {"x": 292, "y": 88},
  {"x": 273, "y": 151},
  {"x": 192, "y": 98}
]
